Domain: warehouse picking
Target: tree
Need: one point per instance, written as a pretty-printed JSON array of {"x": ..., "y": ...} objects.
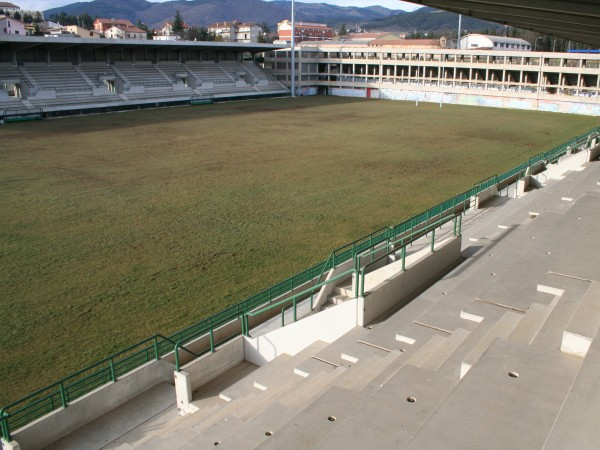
[
  {"x": 38, "y": 17},
  {"x": 17, "y": 15},
  {"x": 63, "y": 18},
  {"x": 178, "y": 24},
  {"x": 198, "y": 34},
  {"x": 142, "y": 26},
  {"x": 86, "y": 21},
  {"x": 27, "y": 18},
  {"x": 343, "y": 30},
  {"x": 265, "y": 28}
]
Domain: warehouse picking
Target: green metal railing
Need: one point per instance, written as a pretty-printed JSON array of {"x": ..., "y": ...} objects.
[
  {"x": 60, "y": 394},
  {"x": 404, "y": 241}
]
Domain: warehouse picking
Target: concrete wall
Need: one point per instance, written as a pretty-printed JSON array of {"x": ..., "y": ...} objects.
[
  {"x": 58, "y": 424},
  {"x": 513, "y": 100},
  {"x": 557, "y": 171},
  {"x": 211, "y": 365},
  {"x": 235, "y": 327},
  {"x": 394, "y": 291},
  {"x": 204, "y": 369},
  {"x": 594, "y": 152},
  {"x": 484, "y": 195},
  {"x": 326, "y": 326}
]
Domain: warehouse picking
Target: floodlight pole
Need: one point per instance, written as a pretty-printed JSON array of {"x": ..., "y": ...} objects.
[
  {"x": 293, "y": 86},
  {"x": 458, "y": 35}
]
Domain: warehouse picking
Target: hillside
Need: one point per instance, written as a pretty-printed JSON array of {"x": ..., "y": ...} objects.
[
  {"x": 203, "y": 12},
  {"x": 429, "y": 20}
]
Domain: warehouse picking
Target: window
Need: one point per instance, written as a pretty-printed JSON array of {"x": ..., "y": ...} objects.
[{"x": 16, "y": 31}]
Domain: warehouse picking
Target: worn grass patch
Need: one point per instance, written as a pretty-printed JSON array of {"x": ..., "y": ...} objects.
[{"x": 114, "y": 227}]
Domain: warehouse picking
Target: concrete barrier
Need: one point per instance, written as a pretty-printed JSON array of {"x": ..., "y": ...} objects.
[
  {"x": 326, "y": 326},
  {"x": 59, "y": 423},
  {"x": 484, "y": 195},
  {"x": 395, "y": 291},
  {"x": 205, "y": 369}
]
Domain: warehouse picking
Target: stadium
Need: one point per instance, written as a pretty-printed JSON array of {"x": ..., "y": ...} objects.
[{"x": 468, "y": 322}]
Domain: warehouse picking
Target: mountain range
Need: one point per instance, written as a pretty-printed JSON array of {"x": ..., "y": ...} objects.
[{"x": 203, "y": 12}]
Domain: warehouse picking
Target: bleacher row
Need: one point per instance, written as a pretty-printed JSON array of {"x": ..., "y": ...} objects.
[{"x": 64, "y": 85}]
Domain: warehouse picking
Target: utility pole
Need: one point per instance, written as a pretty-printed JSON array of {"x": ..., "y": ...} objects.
[
  {"x": 459, "y": 31},
  {"x": 293, "y": 86}
]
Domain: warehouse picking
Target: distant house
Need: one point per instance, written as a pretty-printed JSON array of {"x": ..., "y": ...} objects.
[
  {"x": 125, "y": 32},
  {"x": 167, "y": 30},
  {"x": 304, "y": 31},
  {"x": 82, "y": 32},
  {"x": 485, "y": 42},
  {"x": 9, "y": 25},
  {"x": 9, "y": 8},
  {"x": 244, "y": 32},
  {"x": 118, "y": 29}
]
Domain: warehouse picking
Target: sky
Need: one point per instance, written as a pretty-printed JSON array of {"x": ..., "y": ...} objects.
[{"x": 41, "y": 5}]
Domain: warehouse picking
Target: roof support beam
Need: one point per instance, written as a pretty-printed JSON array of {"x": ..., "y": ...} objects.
[{"x": 576, "y": 20}]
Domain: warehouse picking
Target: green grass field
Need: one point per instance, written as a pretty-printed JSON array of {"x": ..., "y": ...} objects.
[{"x": 114, "y": 227}]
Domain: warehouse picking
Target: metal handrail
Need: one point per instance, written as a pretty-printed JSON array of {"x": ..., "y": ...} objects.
[
  {"x": 404, "y": 241},
  {"x": 293, "y": 299}
]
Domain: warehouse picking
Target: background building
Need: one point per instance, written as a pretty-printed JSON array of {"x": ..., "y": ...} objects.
[
  {"x": 118, "y": 29},
  {"x": 166, "y": 32},
  {"x": 9, "y": 8},
  {"x": 485, "y": 42},
  {"x": 82, "y": 32},
  {"x": 244, "y": 32},
  {"x": 9, "y": 25},
  {"x": 304, "y": 31}
]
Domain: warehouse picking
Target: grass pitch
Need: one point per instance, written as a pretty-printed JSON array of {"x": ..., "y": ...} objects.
[{"x": 114, "y": 227}]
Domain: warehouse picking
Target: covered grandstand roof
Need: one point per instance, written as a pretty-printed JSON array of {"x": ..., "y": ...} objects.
[
  {"x": 19, "y": 43},
  {"x": 574, "y": 19}
]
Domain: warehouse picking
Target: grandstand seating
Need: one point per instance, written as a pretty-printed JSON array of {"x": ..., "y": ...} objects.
[
  {"x": 209, "y": 71},
  {"x": 60, "y": 77},
  {"x": 142, "y": 74},
  {"x": 61, "y": 85}
]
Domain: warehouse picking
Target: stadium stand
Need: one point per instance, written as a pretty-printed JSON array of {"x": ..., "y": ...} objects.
[{"x": 92, "y": 77}]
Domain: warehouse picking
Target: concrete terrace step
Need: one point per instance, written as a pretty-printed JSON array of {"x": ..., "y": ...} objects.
[
  {"x": 532, "y": 322},
  {"x": 337, "y": 299},
  {"x": 506, "y": 417},
  {"x": 551, "y": 334},
  {"x": 131, "y": 420},
  {"x": 426, "y": 350},
  {"x": 577, "y": 423},
  {"x": 389, "y": 419},
  {"x": 269, "y": 374},
  {"x": 584, "y": 323},
  {"x": 501, "y": 329},
  {"x": 345, "y": 290},
  {"x": 333, "y": 352},
  {"x": 376, "y": 370},
  {"x": 437, "y": 358},
  {"x": 260, "y": 429},
  {"x": 319, "y": 419},
  {"x": 314, "y": 386}
]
